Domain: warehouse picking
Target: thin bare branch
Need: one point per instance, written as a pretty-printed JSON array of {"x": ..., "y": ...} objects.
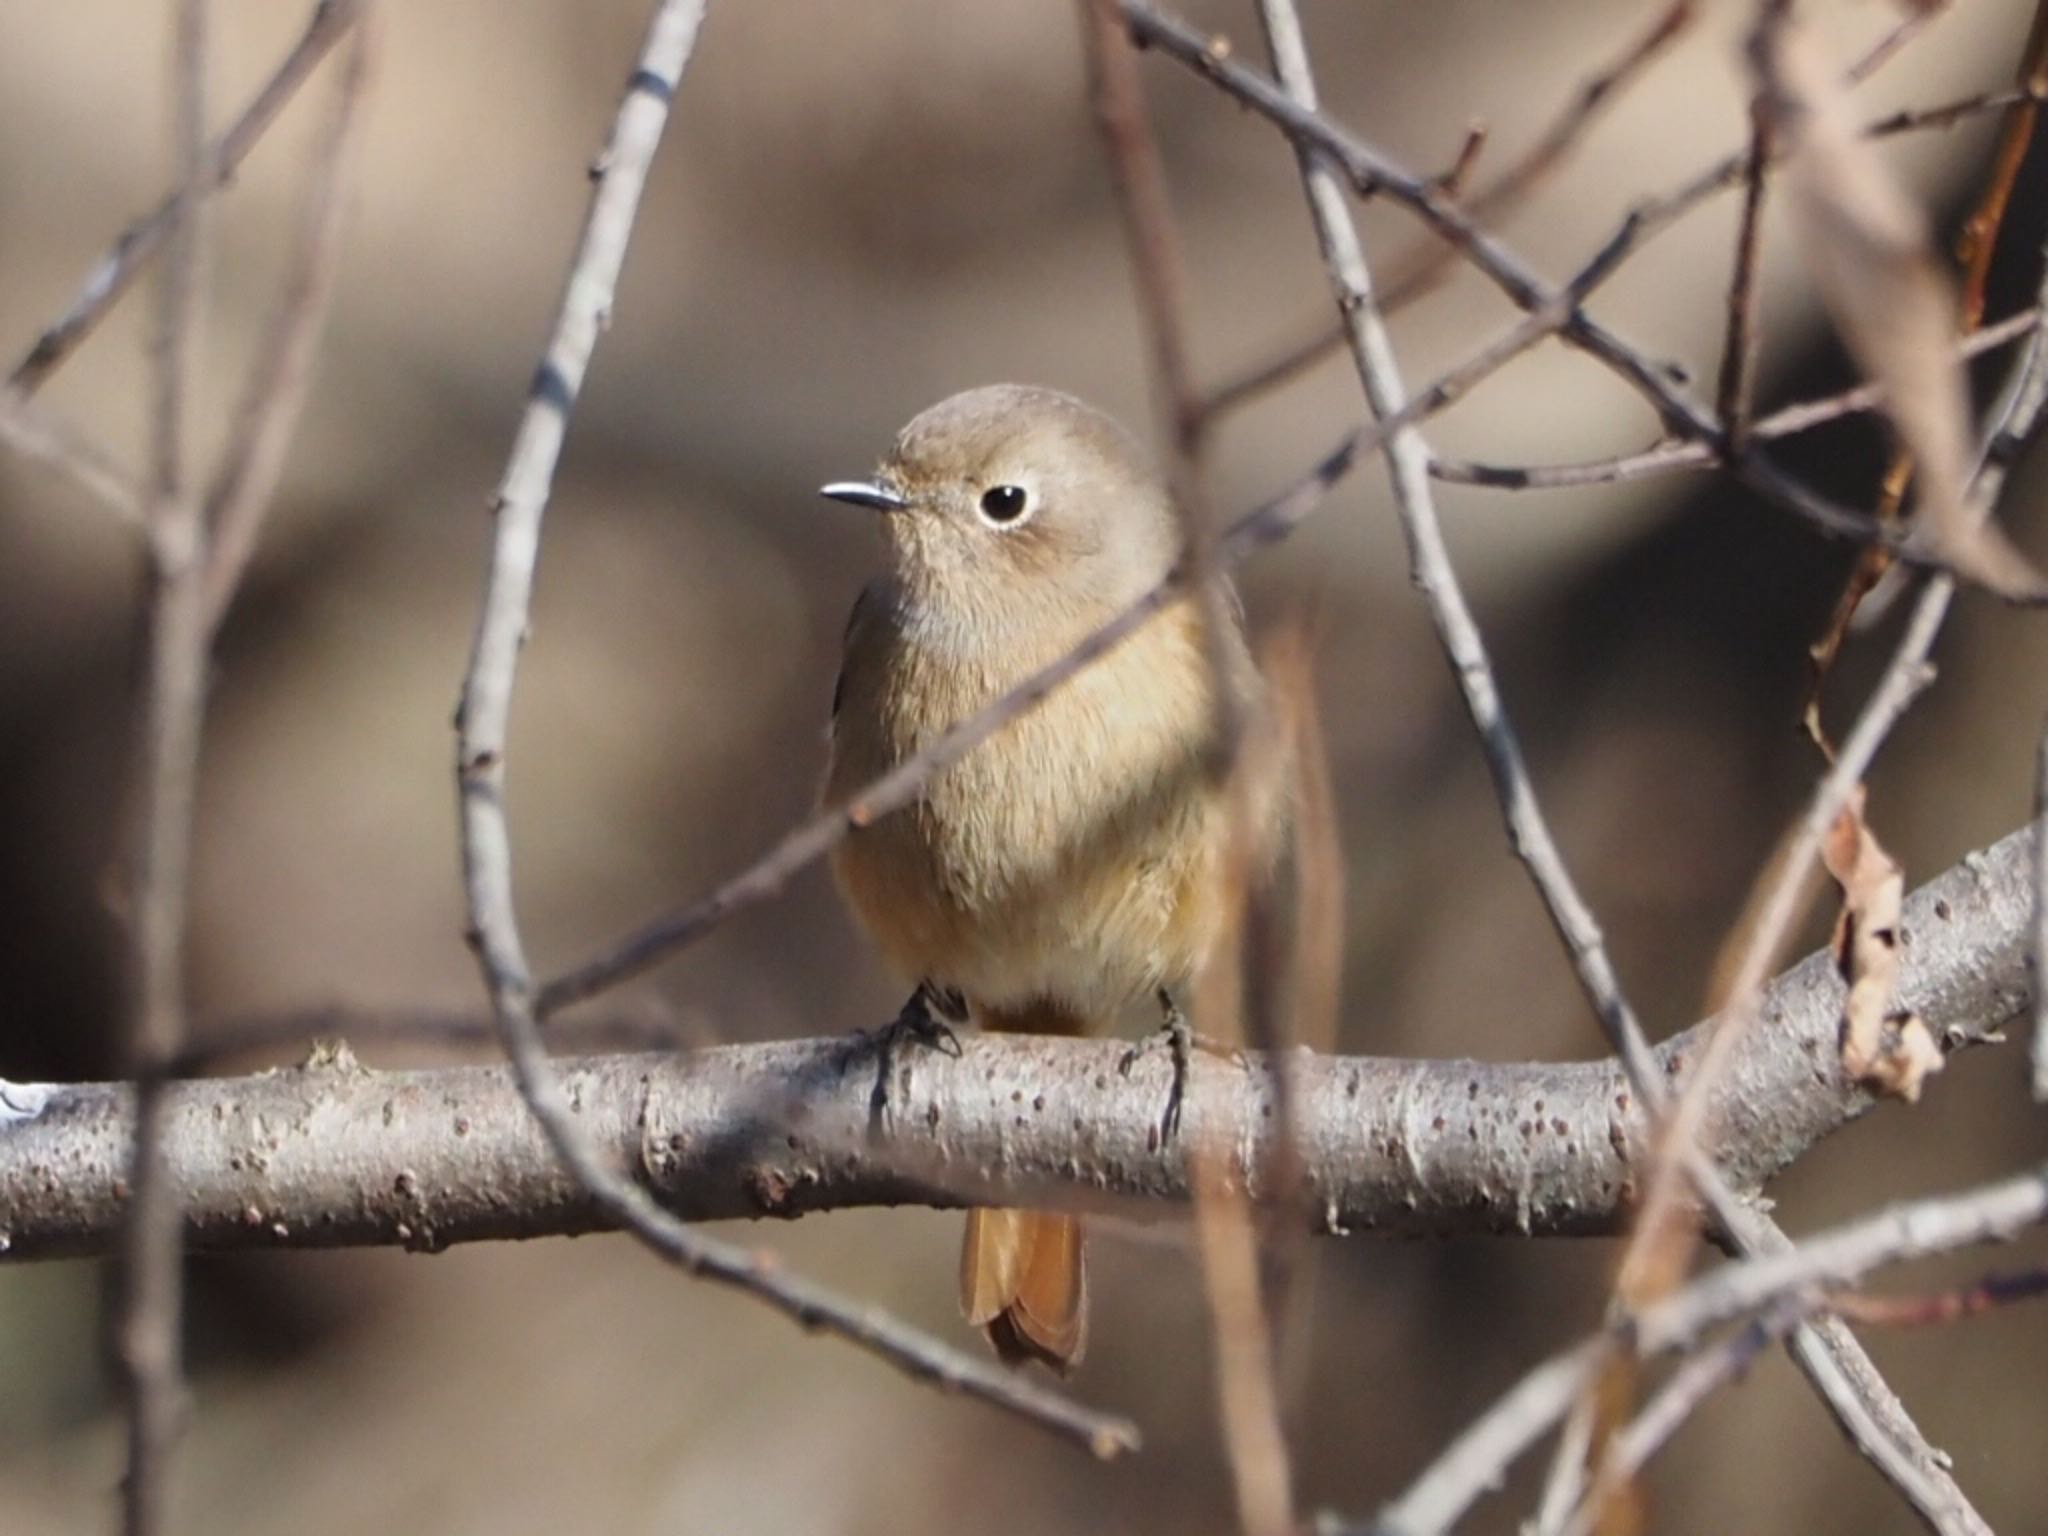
[
  {"x": 1917, "y": 18},
  {"x": 1419, "y": 272},
  {"x": 1941, "y": 1307},
  {"x": 1371, "y": 171},
  {"x": 1248, "y": 1404},
  {"x": 1452, "y": 180},
  {"x": 1237, "y": 999},
  {"x": 1979, "y": 241},
  {"x": 1740, "y": 344},
  {"x": 149, "y": 1309},
  {"x": 1669, "y": 457},
  {"x": 1865, "y": 1408},
  {"x": 1651, "y": 218},
  {"x": 1139, "y": 179},
  {"x": 246, "y": 482},
  {"x": 131, "y": 252},
  {"x": 36, "y": 433},
  {"x": 1795, "y": 1280},
  {"x": 1631, "y": 1448},
  {"x": 1158, "y": 274}
]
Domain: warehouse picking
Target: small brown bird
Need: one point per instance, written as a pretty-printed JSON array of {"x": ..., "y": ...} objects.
[{"x": 1071, "y": 863}]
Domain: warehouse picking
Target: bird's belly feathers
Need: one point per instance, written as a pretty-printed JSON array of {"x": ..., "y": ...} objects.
[{"x": 1070, "y": 858}]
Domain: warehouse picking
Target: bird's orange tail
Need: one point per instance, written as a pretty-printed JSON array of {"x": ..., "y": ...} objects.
[
  {"x": 1023, "y": 1282},
  {"x": 1021, "y": 1275}
]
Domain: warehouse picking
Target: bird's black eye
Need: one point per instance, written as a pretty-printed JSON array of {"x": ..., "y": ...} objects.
[{"x": 1005, "y": 503}]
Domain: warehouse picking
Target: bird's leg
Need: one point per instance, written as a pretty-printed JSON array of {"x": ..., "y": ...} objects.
[
  {"x": 1181, "y": 1040},
  {"x": 927, "y": 1020}
]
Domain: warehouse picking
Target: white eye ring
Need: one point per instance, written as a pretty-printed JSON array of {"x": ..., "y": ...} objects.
[{"x": 1006, "y": 505}]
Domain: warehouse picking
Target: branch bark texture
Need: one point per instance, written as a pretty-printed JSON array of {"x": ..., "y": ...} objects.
[{"x": 334, "y": 1154}]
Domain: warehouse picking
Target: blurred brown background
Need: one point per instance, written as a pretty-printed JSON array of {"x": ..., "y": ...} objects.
[{"x": 858, "y": 210}]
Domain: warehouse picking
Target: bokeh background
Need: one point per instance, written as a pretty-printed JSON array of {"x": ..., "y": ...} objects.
[{"x": 858, "y": 210}]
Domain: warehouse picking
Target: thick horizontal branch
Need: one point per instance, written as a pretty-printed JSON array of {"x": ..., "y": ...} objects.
[{"x": 334, "y": 1154}]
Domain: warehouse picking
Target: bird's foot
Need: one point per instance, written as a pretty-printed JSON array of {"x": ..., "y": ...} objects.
[
  {"x": 925, "y": 1020},
  {"x": 1180, "y": 1039}
]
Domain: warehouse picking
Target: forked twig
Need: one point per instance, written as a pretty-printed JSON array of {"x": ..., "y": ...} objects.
[
  {"x": 251, "y": 465},
  {"x": 1420, "y": 272},
  {"x": 1796, "y": 1279},
  {"x": 1371, "y": 170},
  {"x": 214, "y": 168},
  {"x": 36, "y": 433}
]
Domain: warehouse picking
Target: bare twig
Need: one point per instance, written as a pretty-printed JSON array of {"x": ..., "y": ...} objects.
[
  {"x": 1948, "y": 114},
  {"x": 1886, "y": 48},
  {"x": 1631, "y": 1448},
  {"x": 216, "y": 166},
  {"x": 1420, "y": 272},
  {"x": 1158, "y": 275},
  {"x": 1248, "y": 1404},
  {"x": 1978, "y": 243},
  {"x": 1796, "y": 1279},
  {"x": 1739, "y": 345},
  {"x": 1668, "y": 457},
  {"x": 149, "y": 1312},
  {"x": 1451, "y": 181},
  {"x": 1248, "y": 1396},
  {"x": 1565, "y": 1482},
  {"x": 36, "y": 433},
  {"x": 1420, "y": 269},
  {"x": 1157, "y": 272},
  {"x": 1869, "y": 1414},
  {"x": 246, "y": 482},
  {"x": 1370, "y": 170},
  {"x": 1308, "y": 966},
  {"x": 1660, "y": 213},
  {"x": 1907, "y": 674},
  {"x": 1237, "y": 998},
  {"x": 1942, "y": 1306},
  {"x": 333, "y": 1154},
  {"x": 620, "y": 176}
]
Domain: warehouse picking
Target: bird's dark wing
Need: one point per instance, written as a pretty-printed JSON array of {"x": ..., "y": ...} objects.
[{"x": 865, "y": 609}]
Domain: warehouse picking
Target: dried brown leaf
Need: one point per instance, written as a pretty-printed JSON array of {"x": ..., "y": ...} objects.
[
  {"x": 1884, "y": 1047},
  {"x": 1872, "y": 258}
]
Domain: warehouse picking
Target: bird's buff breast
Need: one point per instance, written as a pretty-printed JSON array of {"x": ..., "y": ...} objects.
[{"x": 1070, "y": 858}]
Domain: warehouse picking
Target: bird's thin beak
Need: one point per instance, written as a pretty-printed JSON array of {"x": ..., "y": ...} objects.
[{"x": 864, "y": 493}]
